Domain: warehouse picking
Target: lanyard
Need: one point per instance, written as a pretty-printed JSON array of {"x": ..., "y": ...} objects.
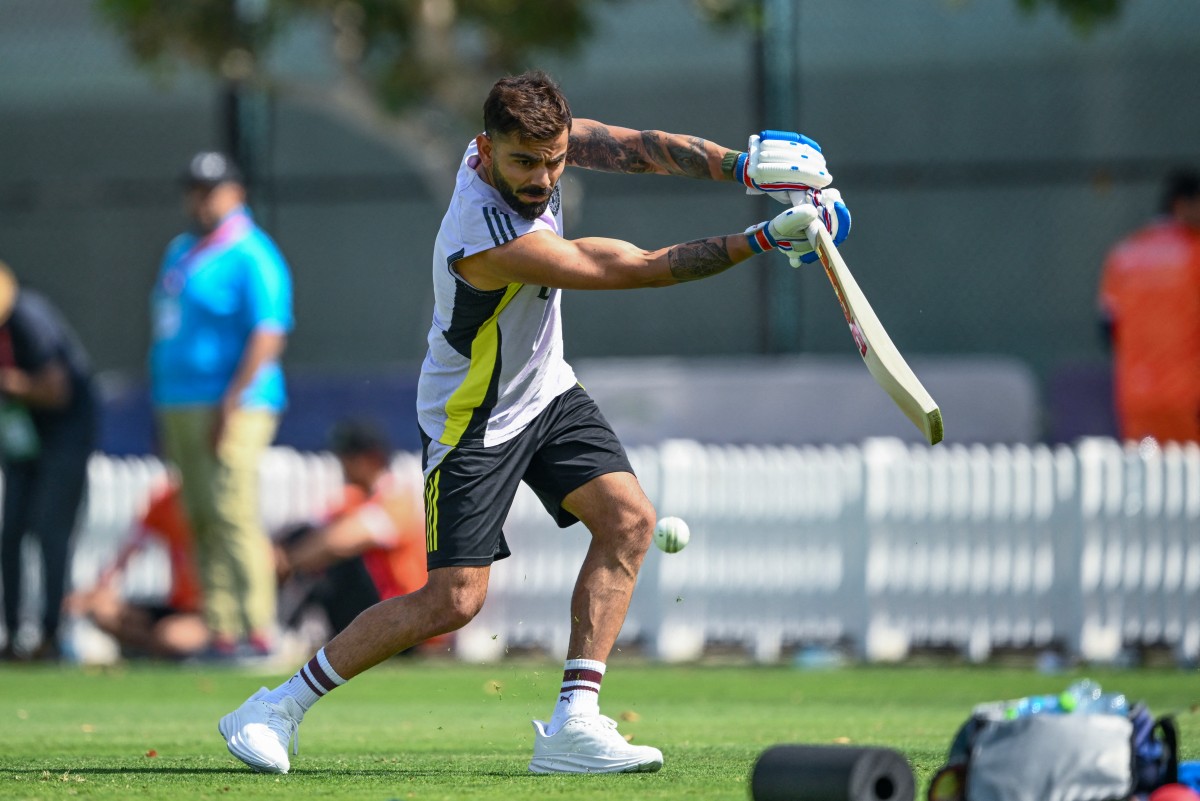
[{"x": 233, "y": 227}]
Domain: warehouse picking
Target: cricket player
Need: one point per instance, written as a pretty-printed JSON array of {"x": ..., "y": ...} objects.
[{"x": 498, "y": 404}]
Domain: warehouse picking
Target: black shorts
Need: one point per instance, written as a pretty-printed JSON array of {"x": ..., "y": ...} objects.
[
  {"x": 342, "y": 590},
  {"x": 469, "y": 489},
  {"x": 158, "y": 612}
]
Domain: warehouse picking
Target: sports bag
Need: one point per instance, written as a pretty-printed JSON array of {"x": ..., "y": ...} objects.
[{"x": 1055, "y": 756}]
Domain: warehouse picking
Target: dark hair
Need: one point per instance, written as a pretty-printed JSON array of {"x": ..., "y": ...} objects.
[
  {"x": 530, "y": 105},
  {"x": 1181, "y": 183},
  {"x": 357, "y": 437}
]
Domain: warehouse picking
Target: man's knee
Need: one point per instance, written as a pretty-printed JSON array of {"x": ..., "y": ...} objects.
[
  {"x": 631, "y": 525},
  {"x": 457, "y": 597},
  {"x": 615, "y": 510},
  {"x": 463, "y": 608},
  {"x": 643, "y": 524}
]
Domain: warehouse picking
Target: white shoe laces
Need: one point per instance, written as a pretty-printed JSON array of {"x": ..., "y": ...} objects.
[
  {"x": 282, "y": 723},
  {"x": 605, "y": 725}
]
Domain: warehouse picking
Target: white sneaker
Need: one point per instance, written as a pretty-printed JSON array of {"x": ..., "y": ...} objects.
[
  {"x": 589, "y": 744},
  {"x": 258, "y": 732}
]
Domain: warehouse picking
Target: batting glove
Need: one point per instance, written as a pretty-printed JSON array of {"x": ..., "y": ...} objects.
[
  {"x": 789, "y": 231},
  {"x": 782, "y": 162}
]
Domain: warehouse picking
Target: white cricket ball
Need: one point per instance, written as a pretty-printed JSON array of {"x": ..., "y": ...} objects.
[{"x": 671, "y": 534}]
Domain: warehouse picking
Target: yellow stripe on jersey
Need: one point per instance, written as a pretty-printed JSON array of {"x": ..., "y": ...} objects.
[
  {"x": 471, "y": 393},
  {"x": 432, "y": 491}
]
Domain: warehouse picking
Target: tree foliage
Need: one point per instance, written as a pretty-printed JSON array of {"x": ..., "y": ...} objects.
[
  {"x": 408, "y": 54},
  {"x": 1084, "y": 15},
  {"x": 410, "y": 73},
  {"x": 404, "y": 51}
]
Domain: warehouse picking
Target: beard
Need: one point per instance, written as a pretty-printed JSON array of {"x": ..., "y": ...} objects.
[{"x": 528, "y": 210}]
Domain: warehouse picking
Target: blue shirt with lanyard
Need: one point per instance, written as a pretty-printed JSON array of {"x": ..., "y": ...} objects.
[{"x": 212, "y": 293}]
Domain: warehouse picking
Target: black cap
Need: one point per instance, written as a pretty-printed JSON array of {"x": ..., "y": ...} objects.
[
  {"x": 355, "y": 437},
  {"x": 209, "y": 168}
]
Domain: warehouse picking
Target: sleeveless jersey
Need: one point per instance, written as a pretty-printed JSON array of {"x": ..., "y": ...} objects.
[{"x": 495, "y": 358}]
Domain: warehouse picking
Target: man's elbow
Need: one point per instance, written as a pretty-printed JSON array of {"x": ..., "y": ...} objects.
[{"x": 271, "y": 340}]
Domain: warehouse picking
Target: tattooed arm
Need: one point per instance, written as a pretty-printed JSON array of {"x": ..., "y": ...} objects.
[
  {"x": 596, "y": 146},
  {"x": 542, "y": 258},
  {"x": 701, "y": 258}
]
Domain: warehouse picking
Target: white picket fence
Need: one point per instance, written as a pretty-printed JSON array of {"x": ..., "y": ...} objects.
[{"x": 883, "y": 548}]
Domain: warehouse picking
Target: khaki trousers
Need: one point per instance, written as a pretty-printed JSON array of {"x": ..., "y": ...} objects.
[{"x": 220, "y": 494}]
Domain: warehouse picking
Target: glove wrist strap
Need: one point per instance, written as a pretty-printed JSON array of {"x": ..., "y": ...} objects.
[
  {"x": 733, "y": 165},
  {"x": 760, "y": 239},
  {"x": 739, "y": 171}
]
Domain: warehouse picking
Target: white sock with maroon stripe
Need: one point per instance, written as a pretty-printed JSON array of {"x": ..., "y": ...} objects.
[
  {"x": 580, "y": 693},
  {"x": 310, "y": 683}
]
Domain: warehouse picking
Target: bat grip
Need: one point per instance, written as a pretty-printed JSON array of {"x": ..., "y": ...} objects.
[{"x": 813, "y": 231}]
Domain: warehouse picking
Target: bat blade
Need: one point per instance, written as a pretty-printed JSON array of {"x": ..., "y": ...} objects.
[{"x": 882, "y": 358}]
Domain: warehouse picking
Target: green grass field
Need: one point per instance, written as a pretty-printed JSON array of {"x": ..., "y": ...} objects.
[{"x": 442, "y": 730}]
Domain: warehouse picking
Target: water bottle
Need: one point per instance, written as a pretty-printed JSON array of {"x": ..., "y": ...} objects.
[
  {"x": 1087, "y": 697},
  {"x": 1111, "y": 704},
  {"x": 1080, "y": 694},
  {"x": 1032, "y": 705}
]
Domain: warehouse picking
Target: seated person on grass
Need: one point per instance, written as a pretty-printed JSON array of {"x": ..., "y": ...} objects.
[
  {"x": 372, "y": 547},
  {"x": 170, "y": 627}
]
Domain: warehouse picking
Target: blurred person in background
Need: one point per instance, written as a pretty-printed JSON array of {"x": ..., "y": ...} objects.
[
  {"x": 47, "y": 433},
  {"x": 221, "y": 310},
  {"x": 1150, "y": 312},
  {"x": 371, "y": 547},
  {"x": 169, "y": 627}
]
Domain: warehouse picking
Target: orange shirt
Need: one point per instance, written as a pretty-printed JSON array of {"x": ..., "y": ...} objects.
[
  {"x": 164, "y": 519},
  {"x": 1150, "y": 290},
  {"x": 396, "y": 563}
]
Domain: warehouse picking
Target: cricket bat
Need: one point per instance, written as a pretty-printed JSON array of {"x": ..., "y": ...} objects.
[{"x": 874, "y": 345}]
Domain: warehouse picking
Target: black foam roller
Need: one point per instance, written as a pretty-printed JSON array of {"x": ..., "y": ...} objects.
[{"x": 831, "y": 773}]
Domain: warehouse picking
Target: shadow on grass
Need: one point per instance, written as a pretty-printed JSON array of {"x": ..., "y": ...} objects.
[{"x": 299, "y": 773}]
